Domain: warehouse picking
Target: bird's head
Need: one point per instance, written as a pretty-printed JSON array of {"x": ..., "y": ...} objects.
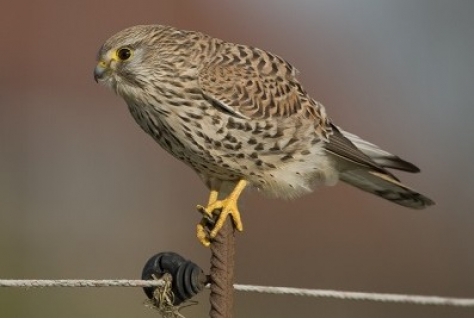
[{"x": 138, "y": 57}]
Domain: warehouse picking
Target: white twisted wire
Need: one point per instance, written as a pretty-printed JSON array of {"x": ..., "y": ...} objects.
[
  {"x": 34, "y": 283},
  {"x": 318, "y": 293},
  {"x": 372, "y": 296}
]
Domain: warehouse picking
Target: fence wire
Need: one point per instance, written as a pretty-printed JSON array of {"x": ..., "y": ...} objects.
[{"x": 316, "y": 293}]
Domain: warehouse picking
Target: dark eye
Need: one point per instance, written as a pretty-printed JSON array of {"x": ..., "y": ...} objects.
[{"x": 124, "y": 54}]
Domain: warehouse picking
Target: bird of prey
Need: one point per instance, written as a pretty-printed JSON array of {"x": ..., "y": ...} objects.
[{"x": 239, "y": 117}]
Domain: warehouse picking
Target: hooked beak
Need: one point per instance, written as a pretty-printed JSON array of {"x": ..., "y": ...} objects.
[{"x": 100, "y": 70}]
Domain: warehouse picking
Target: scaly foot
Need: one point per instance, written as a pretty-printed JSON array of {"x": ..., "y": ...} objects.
[{"x": 227, "y": 206}]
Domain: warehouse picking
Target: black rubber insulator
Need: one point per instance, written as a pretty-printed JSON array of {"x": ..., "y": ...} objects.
[{"x": 188, "y": 278}]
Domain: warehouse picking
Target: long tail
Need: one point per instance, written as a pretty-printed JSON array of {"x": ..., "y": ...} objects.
[
  {"x": 386, "y": 187},
  {"x": 381, "y": 182}
]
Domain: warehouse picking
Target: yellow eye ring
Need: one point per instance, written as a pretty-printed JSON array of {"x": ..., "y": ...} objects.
[{"x": 123, "y": 54}]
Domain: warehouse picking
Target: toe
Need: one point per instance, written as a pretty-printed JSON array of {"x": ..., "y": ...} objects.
[
  {"x": 203, "y": 210},
  {"x": 217, "y": 227},
  {"x": 238, "y": 225},
  {"x": 202, "y": 235}
]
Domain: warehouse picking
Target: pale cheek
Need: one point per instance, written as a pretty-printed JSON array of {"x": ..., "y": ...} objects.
[{"x": 113, "y": 64}]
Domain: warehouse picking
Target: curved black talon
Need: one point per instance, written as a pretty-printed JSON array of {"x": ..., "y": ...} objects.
[{"x": 209, "y": 220}]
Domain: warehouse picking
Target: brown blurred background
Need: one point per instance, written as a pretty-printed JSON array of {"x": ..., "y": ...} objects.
[{"x": 84, "y": 193}]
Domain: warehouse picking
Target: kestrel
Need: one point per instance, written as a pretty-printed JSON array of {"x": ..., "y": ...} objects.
[{"x": 239, "y": 117}]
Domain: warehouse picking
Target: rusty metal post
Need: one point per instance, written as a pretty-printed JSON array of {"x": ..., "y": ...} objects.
[{"x": 222, "y": 272}]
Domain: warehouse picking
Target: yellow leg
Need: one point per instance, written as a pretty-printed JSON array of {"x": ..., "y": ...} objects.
[
  {"x": 212, "y": 197},
  {"x": 228, "y": 206}
]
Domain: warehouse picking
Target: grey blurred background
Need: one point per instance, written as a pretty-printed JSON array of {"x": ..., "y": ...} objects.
[{"x": 85, "y": 194}]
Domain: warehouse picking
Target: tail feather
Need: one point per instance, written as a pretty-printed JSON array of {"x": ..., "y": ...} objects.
[
  {"x": 379, "y": 156},
  {"x": 364, "y": 165},
  {"x": 386, "y": 187}
]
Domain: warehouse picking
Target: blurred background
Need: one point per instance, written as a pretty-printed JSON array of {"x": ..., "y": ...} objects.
[{"x": 84, "y": 193}]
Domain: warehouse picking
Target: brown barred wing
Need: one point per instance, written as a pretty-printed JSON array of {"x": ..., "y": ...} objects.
[{"x": 254, "y": 84}]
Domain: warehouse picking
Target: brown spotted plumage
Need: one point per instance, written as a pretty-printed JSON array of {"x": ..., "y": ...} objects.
[{"x": 238, "y": 116}]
